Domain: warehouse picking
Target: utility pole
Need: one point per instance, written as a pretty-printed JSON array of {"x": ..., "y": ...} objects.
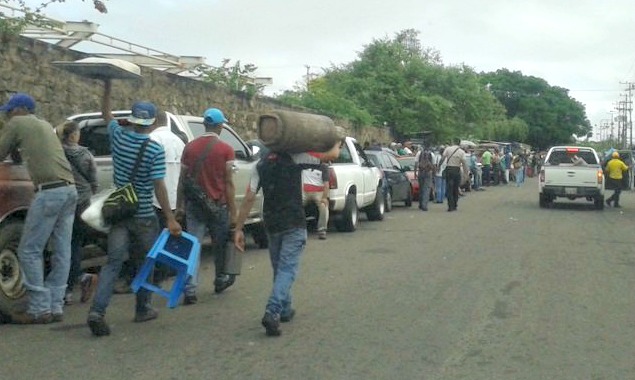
[{"x": 628, "y": 107}]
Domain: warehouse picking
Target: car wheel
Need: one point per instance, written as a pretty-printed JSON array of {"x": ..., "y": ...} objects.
[
  {"x": 388, "y": 201},
  {"x": 13, "y": 296},
  {"x": 542, "y": 201},
  {"x": 348, "y": 219},
  {"x": 408, "y": 201},
  {"x": 377, "y": 209}
]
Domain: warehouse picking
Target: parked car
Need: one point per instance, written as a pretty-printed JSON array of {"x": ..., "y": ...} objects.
[
  {"x": 16, "y": 194},
  {"x": 408, "y": 165},
  {"x": 397, "y": 186},
  {"x": 355, "y": 184}
]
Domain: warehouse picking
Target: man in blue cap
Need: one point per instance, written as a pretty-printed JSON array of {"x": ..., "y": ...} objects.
[
  {"x": 51, "y": 213},
  {"x": 136, "y": 235},
  {"x": 211, "y": 162}
]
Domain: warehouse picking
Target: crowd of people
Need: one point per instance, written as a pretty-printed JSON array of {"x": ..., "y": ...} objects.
[
  {"x": 446, "y": 172},
  {"x": 159, "y": 166}
]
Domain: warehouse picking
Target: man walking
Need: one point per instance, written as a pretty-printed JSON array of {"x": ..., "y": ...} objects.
[
  {"x": 51, "y": 213},
  {"x": 455, "y": 157},
  {"x": 280, "y": 177},
  {"x": 615, "y": 168},
  {"x": 210, "y": 161},
  {"x": 135, "y": 235}
]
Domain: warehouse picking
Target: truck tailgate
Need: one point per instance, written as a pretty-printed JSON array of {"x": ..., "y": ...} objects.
[{"x": 571, "y": 176}]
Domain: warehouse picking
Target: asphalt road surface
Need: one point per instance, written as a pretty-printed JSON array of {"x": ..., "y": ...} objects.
[{"x": 500, "y": 289}]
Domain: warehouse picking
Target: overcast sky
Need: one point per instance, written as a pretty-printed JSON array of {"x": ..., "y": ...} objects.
[{"x": 586, "y": 46}]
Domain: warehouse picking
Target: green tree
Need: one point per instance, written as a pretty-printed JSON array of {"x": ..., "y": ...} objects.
[
  {"x": 551, "y": 115},
  {"x": 10, "y": 25},
  {"x": 234, "y": 77}
]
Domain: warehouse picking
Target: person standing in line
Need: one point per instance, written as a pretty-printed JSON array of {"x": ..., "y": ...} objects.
[
  {"x": 457, "y": 166},
  {"x": 134, "y": 236},
  {"x": 486, "y": 160},
  {"x": 216, "y": 178},
  {"x": 425, "y": 170},
  {"x": 440, "y": 184},
  {"x": 615, "y": 168},
  {"x": 285, "y": 225},
  {"x": 315, "y": 183},
  {"x": 85, "y": 175},
  {"x": 51, "y": 213}
]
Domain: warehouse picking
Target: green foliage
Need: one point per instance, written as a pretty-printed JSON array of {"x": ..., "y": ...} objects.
[
  {"x": 235, "y": 77},
  {"x": 551, "y": 116},
  {"x": 13, "y": 25}
]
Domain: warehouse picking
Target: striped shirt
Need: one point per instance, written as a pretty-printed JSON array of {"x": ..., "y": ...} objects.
[{"x": 125, "y": 148}]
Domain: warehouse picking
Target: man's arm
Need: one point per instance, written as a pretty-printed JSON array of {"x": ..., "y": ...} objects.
[
  {"x": 162, "y": 196},
  {"x": 7, "y": 137},
  {"x": 106, "y": 109},
  {"x": 245, "y": 207}
]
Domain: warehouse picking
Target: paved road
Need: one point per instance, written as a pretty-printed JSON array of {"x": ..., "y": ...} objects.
[{"x": 498, "y": 290}]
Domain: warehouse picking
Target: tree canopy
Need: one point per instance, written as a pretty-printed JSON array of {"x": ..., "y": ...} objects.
[{"x": 398, "y": 83}]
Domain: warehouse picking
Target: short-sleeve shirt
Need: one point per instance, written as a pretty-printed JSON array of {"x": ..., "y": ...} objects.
[
  {"x": 211, "y": 176},
  {"x": 615, "y": 167},
  {"x": 486, "y": 159},
  {"x": 313, "y": 179},
  {"x": 125, "y": 149}
]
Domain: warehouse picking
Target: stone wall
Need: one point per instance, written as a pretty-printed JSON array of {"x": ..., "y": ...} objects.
[{"x": 25, "y": 66}]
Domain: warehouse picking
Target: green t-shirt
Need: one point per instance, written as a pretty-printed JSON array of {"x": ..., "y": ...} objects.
[
  {"x": 39, "y": 146},
  {"x": 487, "y": 158}
]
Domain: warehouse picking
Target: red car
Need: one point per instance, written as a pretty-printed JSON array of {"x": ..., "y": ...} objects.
[{"x": 408, "y": 164}]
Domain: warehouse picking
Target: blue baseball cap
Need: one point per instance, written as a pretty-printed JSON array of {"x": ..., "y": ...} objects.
[
  {"x": 19, "y": 100},
  {"x": 143, "y": 113},
  {"x": 214, "y": 116}
]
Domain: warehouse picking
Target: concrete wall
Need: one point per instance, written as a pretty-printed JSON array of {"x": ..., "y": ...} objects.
[{"x": 25, "y": 66}]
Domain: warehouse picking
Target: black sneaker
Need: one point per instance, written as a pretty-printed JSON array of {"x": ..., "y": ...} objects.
[
  {"x": 288, "y": 317},
  {"x": 147, "y": 315},
  {"x": 271, "y": 324},
  {"x": 223, "y": 282},
  {"x": 190, "y": 299},
  {"x": 97, "y": 324}
]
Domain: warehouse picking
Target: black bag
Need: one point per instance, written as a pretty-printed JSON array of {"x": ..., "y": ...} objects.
[
  {"x": 123, "y": 203},
  {"x": 193, "y": 191}
]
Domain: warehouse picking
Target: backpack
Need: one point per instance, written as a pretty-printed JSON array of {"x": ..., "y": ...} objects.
[{"x": 425, "y": 162}]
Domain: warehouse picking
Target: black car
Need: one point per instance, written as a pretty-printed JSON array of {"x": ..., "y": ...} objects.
[{"x": 397, "y": 187}]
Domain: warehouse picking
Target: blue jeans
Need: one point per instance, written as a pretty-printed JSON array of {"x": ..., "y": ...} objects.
[
  {"x": 50, "y": 216},
  {"x": 520, "y": 176},
  {"x": 285, "y": 249},
  {"x": 439, "y": 188},
  {"x": 425, "y": 181},
  {"x": 130, "y": 239},
  {"x": 219, "y": 232}
]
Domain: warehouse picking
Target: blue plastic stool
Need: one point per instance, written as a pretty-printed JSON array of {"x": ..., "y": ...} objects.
[{"x": 180, "y": 253}]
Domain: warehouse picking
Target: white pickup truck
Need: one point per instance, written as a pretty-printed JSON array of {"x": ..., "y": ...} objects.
[
  {"x": 94, "y": 136},
  {"x": 571, "y": 172},
  {"x": 355, "y": 185}
]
